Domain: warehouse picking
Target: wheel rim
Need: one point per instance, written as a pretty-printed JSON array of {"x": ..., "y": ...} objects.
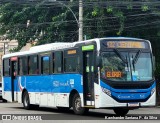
[{"x": 78, "y": 104}]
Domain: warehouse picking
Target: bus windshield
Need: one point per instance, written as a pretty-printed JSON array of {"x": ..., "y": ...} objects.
[{"x": 126, "y": 66}]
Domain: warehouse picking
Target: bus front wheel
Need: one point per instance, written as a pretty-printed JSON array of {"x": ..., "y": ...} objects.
[
  {"x": 26, "y": 101},
  {"x": 121, "y": 111},
  {"x": 77, "y": 105}
]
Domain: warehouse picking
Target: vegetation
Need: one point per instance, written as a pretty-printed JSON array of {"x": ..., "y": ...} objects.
[{"x": 47, "y": 22}]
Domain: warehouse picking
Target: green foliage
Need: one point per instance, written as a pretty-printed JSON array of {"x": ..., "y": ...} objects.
[
  {"x": 120, "y": 16},
  {"x": 102, "y": 18},
  {"x": 130, "y": 7},
  {"x": 145, "y": 8},
  {"x": 42, "y": 20},
  {"x": 94, "y": 13},
  {"x": 110, "y": 9}
]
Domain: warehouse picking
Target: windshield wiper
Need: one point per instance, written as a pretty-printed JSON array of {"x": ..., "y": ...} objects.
[
  {"x": 121, "y": 56},
  {"x": 136, "y": 57},
  {"x": 134, "y": 61}
]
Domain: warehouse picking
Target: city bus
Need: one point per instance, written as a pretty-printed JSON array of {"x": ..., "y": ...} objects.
[{"x": 103, "y": 73}]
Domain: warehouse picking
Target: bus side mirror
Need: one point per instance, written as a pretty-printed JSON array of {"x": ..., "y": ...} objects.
[
  {"x": 99, "y": 61},
  {"x": 154, "y": 63}
]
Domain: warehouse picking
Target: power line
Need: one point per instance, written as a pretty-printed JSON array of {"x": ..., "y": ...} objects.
[
  {"x": 93, "y": 3},
  {"x": 139, "y": 16},
  {"x": 92, "y": 19}
]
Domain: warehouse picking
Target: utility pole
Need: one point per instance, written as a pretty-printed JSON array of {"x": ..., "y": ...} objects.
[
  {"x": 5, "y": 47},
  {"x": 80, "y": 20}
]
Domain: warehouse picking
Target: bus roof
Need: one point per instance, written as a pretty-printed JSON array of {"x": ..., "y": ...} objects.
[
  {"x": 41, "y": 48},
  {"x": 60, "y": 45},
  {"x": 127, "y": 38}
]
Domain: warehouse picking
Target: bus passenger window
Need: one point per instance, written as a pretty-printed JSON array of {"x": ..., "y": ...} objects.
[
  {"x": 45, "y": 64},
  {"x": 33, "y": 64},
  {"x": 6, "y": 69},
  {"x": 22, "y": 66},
  {"x": 14, "y": 70},
  {"x": 70, "y": 66},
  {"x": 58, "y": 68}
]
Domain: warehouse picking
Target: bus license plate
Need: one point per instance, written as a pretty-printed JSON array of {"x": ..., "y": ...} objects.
[{"x": 133, "y": 104}]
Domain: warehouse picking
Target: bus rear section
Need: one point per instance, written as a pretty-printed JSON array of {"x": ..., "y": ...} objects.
[{"x": 126, "y": 75}]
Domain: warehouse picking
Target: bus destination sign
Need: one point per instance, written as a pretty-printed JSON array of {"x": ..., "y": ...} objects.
[
  {"x": 72, "y": 52},
  {"x": 125, "y": 44}
]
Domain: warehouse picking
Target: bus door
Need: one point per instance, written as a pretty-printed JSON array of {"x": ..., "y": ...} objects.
[
  {"x": 14, "y": 80},
  {"x": 88, "y": 78}
]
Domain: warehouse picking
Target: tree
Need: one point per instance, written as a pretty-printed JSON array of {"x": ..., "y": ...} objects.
[
  {"x": 46, "y": 23},
  {"x": 52, "y": 22}
]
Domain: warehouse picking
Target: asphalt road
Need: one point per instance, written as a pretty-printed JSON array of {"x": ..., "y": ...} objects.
[{"x": 94, "y": 115}]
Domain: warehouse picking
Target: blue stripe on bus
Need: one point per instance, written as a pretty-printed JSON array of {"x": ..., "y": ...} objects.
[
  {"x": 47, "y": 83},
  {"x": 128, "y": 94}
]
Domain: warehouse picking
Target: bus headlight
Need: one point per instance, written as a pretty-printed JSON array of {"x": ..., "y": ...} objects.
[
  {"x": 153, "y": 90},
  {"x": 106, "y": 91}
]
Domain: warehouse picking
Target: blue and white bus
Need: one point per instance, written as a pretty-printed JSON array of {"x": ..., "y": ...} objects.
[{"x": 113, "y": 73}]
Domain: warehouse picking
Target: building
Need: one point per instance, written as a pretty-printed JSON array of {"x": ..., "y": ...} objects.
[{"x": 5, "y": 47}]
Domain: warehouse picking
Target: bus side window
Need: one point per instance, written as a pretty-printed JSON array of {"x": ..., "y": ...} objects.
[
  {"x": 6, "y": 67},
  {"x": 33, "y": 65},
  {"x": 70, "y": 66},
  {"x": 22, "y": 66},
  {"x": 45, "y": 64},
  {"x": 58, "y": 64}
]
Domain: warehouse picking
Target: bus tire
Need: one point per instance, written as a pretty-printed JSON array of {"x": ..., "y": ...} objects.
[
  {"x": 3, "y": 100},
  {"x": 76, "y": 103},
  {"x": 26, "y": 101},
  {"x": 121, "y": 111}
]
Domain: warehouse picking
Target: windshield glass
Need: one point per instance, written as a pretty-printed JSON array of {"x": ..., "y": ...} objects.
[
  {"x": 130, "y": 68},
  {"x": 142, "y": 69}
]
